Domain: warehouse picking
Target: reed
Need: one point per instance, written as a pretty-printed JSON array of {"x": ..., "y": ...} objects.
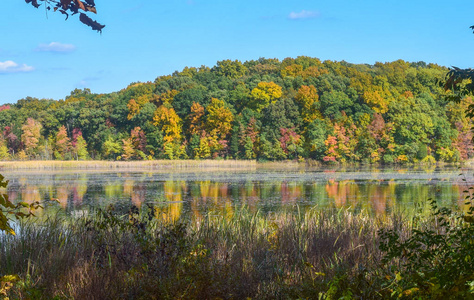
[
  {"x": 246, "y": 255},
  {"x": 127, "y": 165}
]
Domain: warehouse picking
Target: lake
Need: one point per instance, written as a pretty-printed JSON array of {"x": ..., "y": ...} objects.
[{"x": 177, "y": 194}]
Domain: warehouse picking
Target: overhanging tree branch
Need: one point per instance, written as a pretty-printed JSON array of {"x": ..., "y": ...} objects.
[{"x": 72, "y": 7}]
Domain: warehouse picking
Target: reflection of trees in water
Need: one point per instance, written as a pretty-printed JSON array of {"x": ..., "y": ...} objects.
[
  {"x": 173, "y": 193},
  {"x": 290, "y": 192},
  {"x": 379, "y": 196},
  {"x": 372, "y": 197},
  {"x": 113, "y": 189},
  {"x": 136, "y": 190},
  {"x": 250, "y": 195},
  {"x": 221, "y": 198},
  {"x": 210, "y": 197},
  {"x": 139, "y": 194},
  {"x": 343, "y": 192},
  {"x": 62, "y": 195},
  {"x": 79, "y": 190},
  {"x": 30, "y": 194}
]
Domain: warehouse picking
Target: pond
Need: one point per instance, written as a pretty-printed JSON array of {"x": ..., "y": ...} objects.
[{"x": 177, "y": 194}]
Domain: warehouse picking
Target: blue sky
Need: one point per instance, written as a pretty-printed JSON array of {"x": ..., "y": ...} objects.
[{"x": 43, "y": 56}]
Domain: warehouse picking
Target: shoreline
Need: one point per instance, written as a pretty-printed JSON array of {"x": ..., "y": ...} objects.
[
  {"x": 104, "y": 165},
  {"x": 207, "y": 164}
]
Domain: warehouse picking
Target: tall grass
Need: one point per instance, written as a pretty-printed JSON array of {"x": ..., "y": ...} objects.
[
  {"x": 246, "y": 255},
  {"x": 125, "y": 165}
]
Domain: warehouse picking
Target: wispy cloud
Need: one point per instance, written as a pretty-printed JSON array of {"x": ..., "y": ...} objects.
[
  {"x": 56, "y": 47},
  {"x": 10, "y": 66},
  {"x": 87, "y": 81},
  {"x": 304, "y": 14}
]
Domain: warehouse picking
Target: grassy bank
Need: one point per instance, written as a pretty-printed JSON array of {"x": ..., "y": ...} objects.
[
  {"x": 113, "y": 255},
  {"x": 126, "y": 165}
]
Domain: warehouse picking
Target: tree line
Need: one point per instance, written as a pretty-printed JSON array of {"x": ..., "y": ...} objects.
[{"x": 266, "y": 109}]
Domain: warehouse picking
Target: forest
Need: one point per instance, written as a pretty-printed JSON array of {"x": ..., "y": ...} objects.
[{"x": 266, "y": 109}]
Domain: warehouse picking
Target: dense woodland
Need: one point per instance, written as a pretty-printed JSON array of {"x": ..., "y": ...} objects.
[{"x": 266, "y": 109}]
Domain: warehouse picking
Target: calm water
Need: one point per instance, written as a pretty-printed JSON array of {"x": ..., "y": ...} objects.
[{"x": 379, "y": 191}]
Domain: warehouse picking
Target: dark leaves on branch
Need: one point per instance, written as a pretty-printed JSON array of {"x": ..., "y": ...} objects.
[
  {"x": 65, "y": 3},
  {"x": 64, "y": 13},
  {"x": 80, "y": 5},
  {"x": 89, "y": 22},
  {"x": 72, "y": 7},
  {"x": 33, "y": 2}
]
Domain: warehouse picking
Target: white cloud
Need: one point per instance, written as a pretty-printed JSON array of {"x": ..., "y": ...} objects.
[
  {"x": 56, "y": 47},
  {"x": 304, "y": 14},
  {"x": 10, "y": 66}
]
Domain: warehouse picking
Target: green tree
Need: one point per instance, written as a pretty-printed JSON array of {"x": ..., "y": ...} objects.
[
  {"x": 80, "y": 148},
  {"x": 111, "y": 148}
]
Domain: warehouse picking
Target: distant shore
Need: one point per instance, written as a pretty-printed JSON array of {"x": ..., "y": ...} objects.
[
  {"x": 126, "y": 165},
  {"x": 207, "y": 164}
]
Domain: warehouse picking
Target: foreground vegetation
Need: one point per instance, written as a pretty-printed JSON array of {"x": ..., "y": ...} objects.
[
  {"x": 114, "y": 254},
  {"x": 266, "y": 109}
]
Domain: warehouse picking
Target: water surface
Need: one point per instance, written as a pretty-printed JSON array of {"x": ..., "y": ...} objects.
[{"x": 195, "y": 193}]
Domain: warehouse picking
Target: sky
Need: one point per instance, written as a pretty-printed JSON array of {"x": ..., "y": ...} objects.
[{"x": 44, "y": 56}]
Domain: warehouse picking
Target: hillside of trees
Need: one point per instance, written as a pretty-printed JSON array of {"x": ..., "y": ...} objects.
[{"x": 264, "y": 109}]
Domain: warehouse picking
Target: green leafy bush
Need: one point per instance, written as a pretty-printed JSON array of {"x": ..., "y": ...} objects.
[{"x": 435, "y": 260}]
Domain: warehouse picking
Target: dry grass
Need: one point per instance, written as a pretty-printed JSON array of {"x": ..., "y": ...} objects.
[
  {"x": 277, "y": 256},
  {"x": 155, "y": 165}
]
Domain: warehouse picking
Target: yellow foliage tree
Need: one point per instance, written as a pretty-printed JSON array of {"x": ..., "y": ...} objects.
[
  {"x": 31, "y": 135},
  {"x": 166, "y": 97},
  {"x": 133, "y": 108},
  {"x": 195, "y": 118},
  {"x": 292, "y": 70},
  {"x": 128, "y": 151},
  {"x": 377, "y": 99},
  {"x": 203, "y": 151},
  {"x": 264, "y": 94},
  {"x": 219, "y": 118},
  {"x": 169, "y": 122},
  {"x": 306, "y": 97}
]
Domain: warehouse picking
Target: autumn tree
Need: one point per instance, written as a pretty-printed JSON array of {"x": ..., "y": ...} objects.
[
  {"x": 31, "y": 136},
  {"x": 307, "y": 98},
  {"x": 231, "y": 69},
  {"x": 79, "y": 145},
  {"x": 219, "y": 119},
  {"x": 377, "y": 99},
  {"x": 264, "y": 94},
  {"x": 134, "y": 147},
  {"x": 195, "y": 119},
  {"x": 12, "y": 141},
  {"x": 62, "y": 144},
  {"x": 170, "y": 124},
  {"x": 128, "y": 151}
]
